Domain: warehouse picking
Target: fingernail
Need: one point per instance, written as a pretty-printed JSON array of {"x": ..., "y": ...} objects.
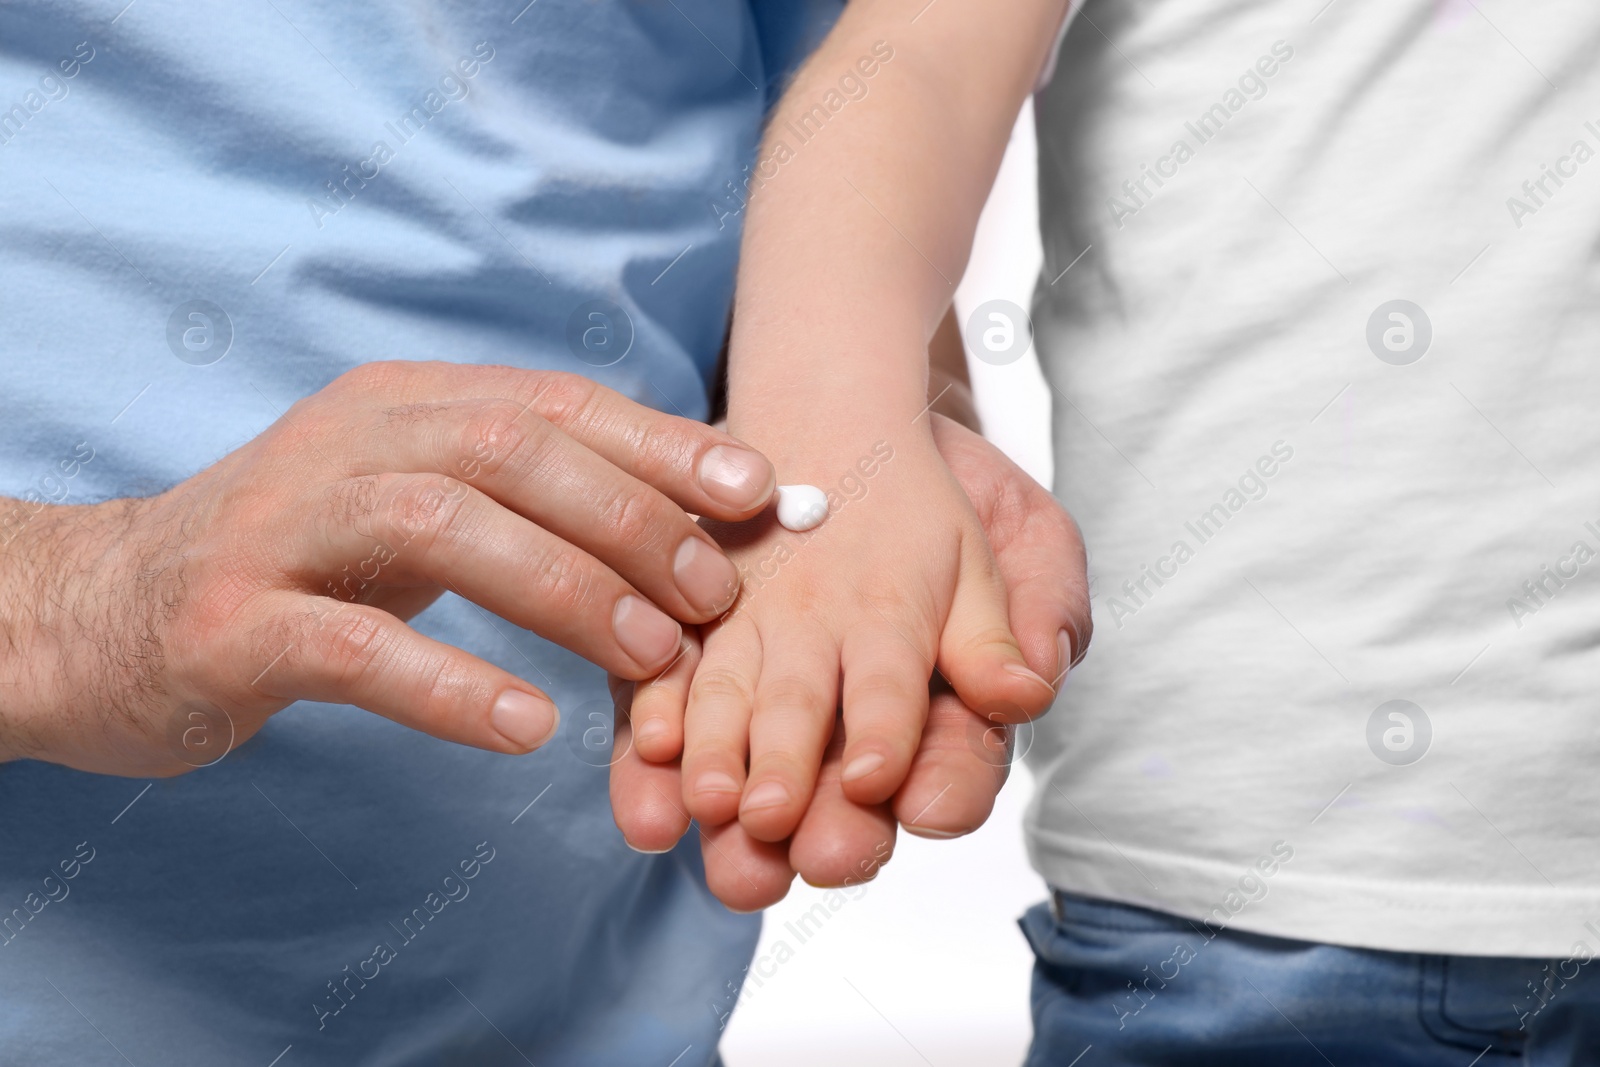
[
  {"x": 650, "y": 730},
  {"x": 524, "y": 719},
  {"x": 765, "y": 795},
  {"x": 646, "y": 851},
  {"x": 1021, "y": 671},
  {"x": 1063, "y": 654},
  {"x": 736, "y": 477},
  {"x": 706, "y": 578},
  {"x": 644, "y": 632},
  {"x": 937, "y": 835},
  {"x": 862, "y": 766},
  {"x": 715, "y": 782}
]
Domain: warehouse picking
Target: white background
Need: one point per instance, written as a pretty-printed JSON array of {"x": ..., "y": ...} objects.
[{"x": 926, "y": 968}]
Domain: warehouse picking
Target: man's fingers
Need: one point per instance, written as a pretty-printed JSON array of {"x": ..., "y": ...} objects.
[
  {"x": 531, "y": 466},
  {"x": 717, "y": 723},
  {"x": 300, "y": 647},
  {"x": 793, "y": 719},
  {"x": 977, "y": 652},
  {"x": 1045, "y": 569},
  {"x": 1038, "y": 550},
  {"x": 885, "y": 703},
  {"x": 840, "y": 842},
  {"x": 743, "y": 873},
  {"x": 430, "y": 529},
  {"x": 703, "y": 470},
  {"x": 957, "y": 773},
  {"x": 646, "y": 798}
]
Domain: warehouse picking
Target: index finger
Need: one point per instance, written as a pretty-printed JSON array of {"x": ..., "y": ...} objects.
[
  {"x": 958, "y": 771},
  {"x": 701, "y": 469}
]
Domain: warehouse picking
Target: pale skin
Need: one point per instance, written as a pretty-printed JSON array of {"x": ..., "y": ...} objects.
[{"x": 847, "y": 268}]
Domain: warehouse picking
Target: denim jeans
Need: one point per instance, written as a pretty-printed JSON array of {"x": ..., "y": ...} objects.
[{"x": 1115, "y": 984}]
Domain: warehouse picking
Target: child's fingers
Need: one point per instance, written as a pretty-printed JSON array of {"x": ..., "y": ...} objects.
[
  {"x": 717, "y": 723},
  {"x": 885, "y": 704},
  {"x": 957, "y": 772},
  {"x": 840, "y": 842},
  {"x": 646, "y": 798},
  {"x": 743, "y": 873},
  {"x": 659, "y": 703},
  {"x": 796, "y": 699},
  {"x": 977, "y": 652}
]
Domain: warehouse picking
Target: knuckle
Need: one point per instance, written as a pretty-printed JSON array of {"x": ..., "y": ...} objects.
[
  {"x": 567, "y": 583},
  {"x": 783, "y": 766},
  {"x": 721, "y": 685},
  {"x": 887, "y": 596},
  {"x": 635, "y": 517},
  {"x": 791, "y": 692},
  {"x": 565, "y": 399},
  {"x": 352, "y": 642},
  {"x": 877, "y": 687},
  {"x": 498, "y": 430},
  {"x": 423, "y": 506}
]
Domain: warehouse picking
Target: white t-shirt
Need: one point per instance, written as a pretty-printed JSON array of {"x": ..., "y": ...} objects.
[{"x": 1328, "y": 411}]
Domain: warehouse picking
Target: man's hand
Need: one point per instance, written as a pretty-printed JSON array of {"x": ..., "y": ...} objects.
[
  {"x": 963, "y": 757},
  {"x": 135, "y": 634}
]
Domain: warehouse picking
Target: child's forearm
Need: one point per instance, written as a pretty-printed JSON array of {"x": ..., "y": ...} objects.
[
  {"x": 858, "y": 233},
  {"x": 949, "y": 384}
]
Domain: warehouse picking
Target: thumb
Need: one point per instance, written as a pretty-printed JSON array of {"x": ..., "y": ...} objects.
[
  {"x": 1044, "y": 568},
  {"x": 978, "y": 654}
]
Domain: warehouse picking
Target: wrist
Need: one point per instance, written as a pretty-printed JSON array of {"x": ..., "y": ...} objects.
[
  {"x": 58, "y": 659},
  {"x": 819, "y": 448}
]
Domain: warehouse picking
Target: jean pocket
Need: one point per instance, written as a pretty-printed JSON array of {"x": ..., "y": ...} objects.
[
  {"x": 1088, "y": 945},
  {"x": 1473, "y": 1001}
]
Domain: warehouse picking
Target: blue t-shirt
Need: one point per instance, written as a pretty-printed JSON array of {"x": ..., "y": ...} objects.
[{"x": 210, "y": 211}]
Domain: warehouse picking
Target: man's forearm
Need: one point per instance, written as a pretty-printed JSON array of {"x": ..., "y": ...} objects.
[{"x": 858, "y": 234}]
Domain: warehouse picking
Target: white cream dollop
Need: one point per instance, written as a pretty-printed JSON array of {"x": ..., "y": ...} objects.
[{"x": 801, "y": 507}]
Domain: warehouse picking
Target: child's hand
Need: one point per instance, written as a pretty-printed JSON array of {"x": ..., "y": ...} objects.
[
  {"x": 958, "y": 768},
  {"x": 900, "y": 579}
]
